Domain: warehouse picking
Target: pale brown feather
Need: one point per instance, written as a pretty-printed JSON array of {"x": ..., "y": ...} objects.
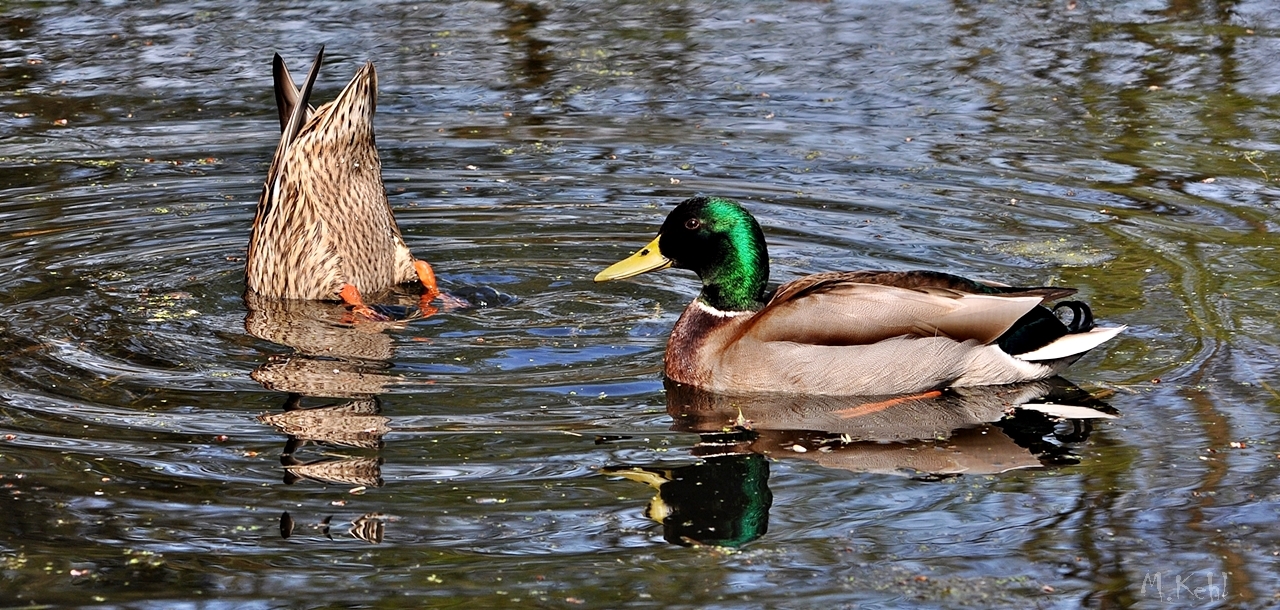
[
  {"x": 287, "y": 93},
  {"x": 847, "y": 313}
]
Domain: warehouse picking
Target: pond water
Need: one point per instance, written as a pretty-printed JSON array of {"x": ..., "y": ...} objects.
[{"x": 152, "y": 449}]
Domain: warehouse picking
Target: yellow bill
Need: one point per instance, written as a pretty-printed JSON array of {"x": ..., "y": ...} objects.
[{"x": 647, "y": 259}]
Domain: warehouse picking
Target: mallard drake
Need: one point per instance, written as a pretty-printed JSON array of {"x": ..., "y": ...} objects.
[
  {"x": 324, "y": 228},
  {"x": 846, "y": 333}
]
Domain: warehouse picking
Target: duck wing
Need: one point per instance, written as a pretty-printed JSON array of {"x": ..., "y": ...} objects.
[
  {"x": 861, "y": 308},
  {"x": 922, "y": 280}
]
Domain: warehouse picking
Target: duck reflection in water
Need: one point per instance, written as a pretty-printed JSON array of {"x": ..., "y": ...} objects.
[
  {"x": 343, "y": 368},
  {"x": 324, "y": 240},
  {"x": 347, "y": 362},
  {"x": 369, "y": 527},
  {"x": 724, "y": 500},
  {"x": 331, "y": 382}
]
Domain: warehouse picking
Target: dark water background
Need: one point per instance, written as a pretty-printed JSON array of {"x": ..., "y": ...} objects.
[{"x": 1126, "y": 148}]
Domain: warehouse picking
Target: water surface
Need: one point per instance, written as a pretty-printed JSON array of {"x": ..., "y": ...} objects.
[{"x": 151, "y": 448}]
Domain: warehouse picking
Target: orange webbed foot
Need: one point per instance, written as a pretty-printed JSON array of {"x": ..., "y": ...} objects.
[
  {"x": 428, "y": 278},
  {"x": 430, "y": 291},
  {"x": 426, "y": 309},
  {"x": 351, "y": 296},
  {"x": 448, "y": 302}
]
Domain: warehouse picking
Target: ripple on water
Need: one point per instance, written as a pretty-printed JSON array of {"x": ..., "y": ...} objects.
[{"x": 1120, "y": 148}]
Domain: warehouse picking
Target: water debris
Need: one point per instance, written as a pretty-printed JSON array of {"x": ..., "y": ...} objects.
[
  {"x": 1252, "y": 156},
  {"x": 102, "y": 163},
  {"x": 610, "y": 438},
  {"x": 1059, "y": 252}
]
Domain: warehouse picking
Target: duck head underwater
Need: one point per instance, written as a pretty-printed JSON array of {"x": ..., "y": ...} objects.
[{"x": 324, "y": 229}]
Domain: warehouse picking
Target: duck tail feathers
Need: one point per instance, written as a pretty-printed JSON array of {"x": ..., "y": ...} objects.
[
  {"x": 1081, "y": 316},
  {"x": 286, "y": 91},
  {"x": 299, "y": 111},
  {"x": 290, "y": 129}
]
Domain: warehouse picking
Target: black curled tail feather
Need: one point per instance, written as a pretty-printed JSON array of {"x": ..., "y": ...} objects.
[
  {"x": 1042, "y": 326},
  {"x": 1081, "y": 316}
]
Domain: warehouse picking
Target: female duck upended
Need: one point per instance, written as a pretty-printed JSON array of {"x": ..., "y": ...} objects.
[
  {"x": 324, "y": 228},
  {"x": 846, "y": 333}
]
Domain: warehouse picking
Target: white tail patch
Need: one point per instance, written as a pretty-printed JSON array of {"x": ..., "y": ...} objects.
[
  {"x": 1066, "y": 411},
  {"x": 1070, "y": 345}
]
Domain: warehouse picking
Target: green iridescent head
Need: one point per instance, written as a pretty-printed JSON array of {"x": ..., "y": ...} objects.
[{"x": 715, "y": 238}]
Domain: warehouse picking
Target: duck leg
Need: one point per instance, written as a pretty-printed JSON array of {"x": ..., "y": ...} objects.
[
  {"x": 351, "y": 296},
  {"x": 428, "y": 278},
  {"x": 873, "y": 407},
  {"x": 430, "y": 291}
]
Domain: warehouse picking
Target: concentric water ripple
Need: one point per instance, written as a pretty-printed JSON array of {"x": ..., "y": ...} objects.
[{"x": 164, "y": 443}]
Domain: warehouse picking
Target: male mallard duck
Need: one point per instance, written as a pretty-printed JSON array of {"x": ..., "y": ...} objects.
[
  {"x": 324, "y": 228},
  {"x": 859, "y": 332}
]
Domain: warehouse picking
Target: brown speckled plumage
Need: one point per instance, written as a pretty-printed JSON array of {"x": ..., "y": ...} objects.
[{"x": 323, "y": 221}]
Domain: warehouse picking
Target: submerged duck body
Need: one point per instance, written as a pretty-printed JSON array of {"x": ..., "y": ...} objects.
[
  {"x": 846, "y": 333},
  {"x": 324, "y": 229}
]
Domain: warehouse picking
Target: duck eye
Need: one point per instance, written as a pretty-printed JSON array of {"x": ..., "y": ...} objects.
[{"x": 693, "y": 224}]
